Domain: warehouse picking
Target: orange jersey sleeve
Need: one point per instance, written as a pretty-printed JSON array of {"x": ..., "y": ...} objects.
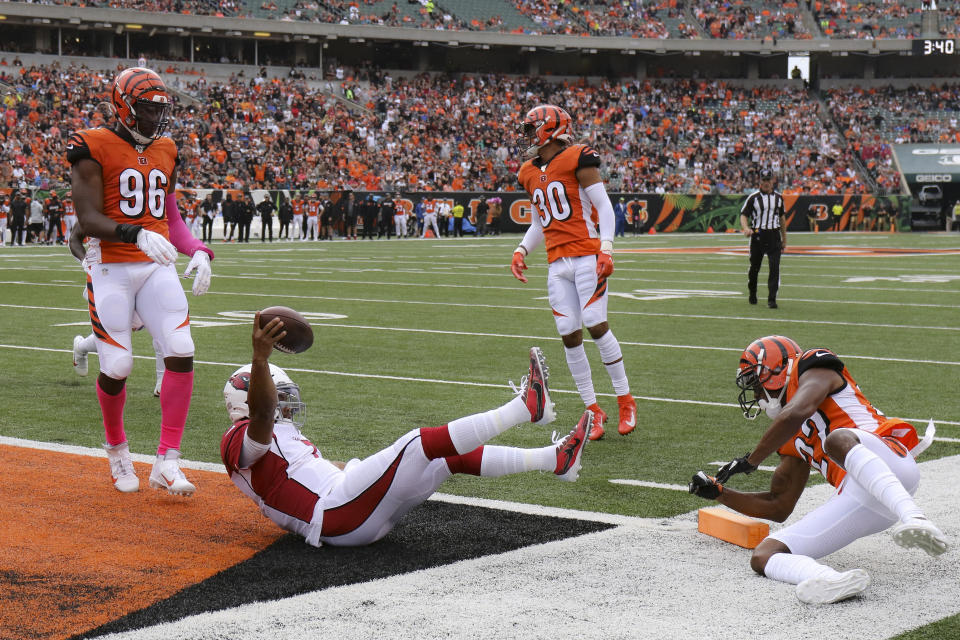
[
  {"x": 846, "y": 408},
  {"x": 569, "y": 228},
  {"x": 135, "y": 183}
]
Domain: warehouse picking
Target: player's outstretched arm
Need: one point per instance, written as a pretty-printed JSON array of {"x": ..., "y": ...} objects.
[
  {"x": 262, "y": 396},
  {"x": 786, "y": 485},
  {"x": 777, "y": 504}
]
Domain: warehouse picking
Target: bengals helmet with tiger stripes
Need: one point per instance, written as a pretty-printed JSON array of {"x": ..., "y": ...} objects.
[
  {"x": 766, "y": 365},
  {"x": 141, "y": 103},
  {"x": 542, "y": 124}
]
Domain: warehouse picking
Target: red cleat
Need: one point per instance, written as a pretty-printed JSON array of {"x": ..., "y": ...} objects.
[
  {"x": 570, "y": 449},
  {"x": 599, "y": 417},
  {"x": 628, "y": 414}
]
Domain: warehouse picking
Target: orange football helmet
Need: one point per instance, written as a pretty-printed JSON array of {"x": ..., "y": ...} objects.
[
  {"x": 141, "y": 103},
  {"x": 542, "y": 124},
  {"x": 766, "y": 365}
]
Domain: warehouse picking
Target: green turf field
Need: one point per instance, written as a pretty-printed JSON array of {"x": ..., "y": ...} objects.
[{"x": 415, "y": 333}]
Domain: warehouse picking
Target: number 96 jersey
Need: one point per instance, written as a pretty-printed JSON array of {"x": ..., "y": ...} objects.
[
  {"x": 135, "y": 183},
  {"x": 568, "y": 218}
]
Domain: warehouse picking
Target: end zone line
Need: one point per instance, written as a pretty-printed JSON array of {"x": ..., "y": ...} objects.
[{"x": 502, "y": 505}]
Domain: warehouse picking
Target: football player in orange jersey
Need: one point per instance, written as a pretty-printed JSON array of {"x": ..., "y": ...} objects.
[
  {"x": 821, "y": 420},
  {"x": 123, "y": 180},
  {"x": 569, "y": 202}
]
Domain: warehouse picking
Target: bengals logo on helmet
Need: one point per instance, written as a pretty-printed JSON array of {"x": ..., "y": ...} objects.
[
  {"x": 241, "y": 381},
  {"x": 766, "y": 361}
]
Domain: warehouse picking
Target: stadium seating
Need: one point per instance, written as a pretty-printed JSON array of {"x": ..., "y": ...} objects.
[
  {"x": 430, "y": 132},
  {"x": 722, "y": 19},
  {"x": 868, "y": 18}
]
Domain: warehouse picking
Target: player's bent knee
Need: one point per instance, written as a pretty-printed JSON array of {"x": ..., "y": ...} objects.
[
  {"x": 838, "y": 444},
  {"x": 179, "y": 345},
  {"x": 117, "y": 368},
  {"x": 599, "y": 330},
  {"x": 761, "y": 555}
]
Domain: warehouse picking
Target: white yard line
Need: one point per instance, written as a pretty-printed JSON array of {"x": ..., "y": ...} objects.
[
  {"x": 488, "y": 385},
  {"x": 539, "y": 309}
]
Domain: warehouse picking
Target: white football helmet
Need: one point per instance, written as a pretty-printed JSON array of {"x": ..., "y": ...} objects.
[{"x": 289, "y": 406}]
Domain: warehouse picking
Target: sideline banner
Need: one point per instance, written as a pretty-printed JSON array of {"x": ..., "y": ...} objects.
[{"x": 661, "y": 212}]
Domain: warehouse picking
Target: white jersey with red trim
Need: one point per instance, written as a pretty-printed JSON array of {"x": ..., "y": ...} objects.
[{"x": 287, "y": 482}]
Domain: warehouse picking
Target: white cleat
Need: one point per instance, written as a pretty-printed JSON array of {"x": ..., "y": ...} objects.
[
  {"x": 834, "y": 589},
  {"x": 166, "y": 474},
  {"x": 922, "y": 534},
  {"x": 79, "y": 357},
  {"x": 121, "y": 468}
]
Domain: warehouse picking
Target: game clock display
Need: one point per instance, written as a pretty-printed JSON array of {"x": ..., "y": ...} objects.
[{"x": 935, "y": 46}]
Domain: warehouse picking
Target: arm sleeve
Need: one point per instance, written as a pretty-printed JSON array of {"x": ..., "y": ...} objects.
[
  {"x": 599, "y": 198},
  {"x": 251, "y": 452},
  {"x": 180, "y": 236},
  {"x": 533, "y": 238}
]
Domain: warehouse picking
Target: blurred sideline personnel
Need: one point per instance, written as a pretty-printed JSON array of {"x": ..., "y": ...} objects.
[
  {"x": 563, "y": 180},
  {"x": 82, "y": 346},
  {"x": 359, "y": 502},
  {"x": 822, "y": 420},
  {"x": 762, "y": 220},
  {"x": 123, "y": 180}
]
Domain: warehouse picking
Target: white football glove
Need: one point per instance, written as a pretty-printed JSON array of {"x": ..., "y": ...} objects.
[
  {"x": 156, "y": 247},
  {"x": 201, "y": 262}
]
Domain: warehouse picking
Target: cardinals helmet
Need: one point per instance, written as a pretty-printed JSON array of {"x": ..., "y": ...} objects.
[
  {"x": 141, "y": 103},
  {"x": 289, "y": 405},
  {"x": 766, "y": 366},
  {"x": 542, "y": 124}
]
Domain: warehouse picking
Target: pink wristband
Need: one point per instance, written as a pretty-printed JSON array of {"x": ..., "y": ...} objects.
[{"x": 180, "y": 236}]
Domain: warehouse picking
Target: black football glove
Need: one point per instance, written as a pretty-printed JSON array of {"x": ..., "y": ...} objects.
[
  {"x": 739, "y": 465},
  {"x": 704, "y": 486}
]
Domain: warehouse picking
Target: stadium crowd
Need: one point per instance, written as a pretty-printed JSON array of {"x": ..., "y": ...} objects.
[
  {"x": 725, "y": 19},
  {"x": 866, "y": 19},
  {"x": 370, "y": 131},
  {"x": 875, "y": 118},
  {"x": 740, "y": 19}
]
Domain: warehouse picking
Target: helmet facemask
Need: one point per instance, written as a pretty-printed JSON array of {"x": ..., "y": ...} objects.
[
  {"x": 289, "y": 405},
  {"x": 752, "y": 379},
  {"x": 147, "y": 112}
]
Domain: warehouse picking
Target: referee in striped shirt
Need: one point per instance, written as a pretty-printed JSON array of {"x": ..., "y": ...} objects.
[{"x": 762, "y": 220}]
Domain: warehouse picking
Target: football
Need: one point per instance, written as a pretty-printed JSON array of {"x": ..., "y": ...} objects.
[{"x": 299, "y": 336}]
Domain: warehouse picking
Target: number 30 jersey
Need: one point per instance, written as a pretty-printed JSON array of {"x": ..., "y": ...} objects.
[
  {"x": 568, "y": 219},
  {"x": 135, "y": 183}
]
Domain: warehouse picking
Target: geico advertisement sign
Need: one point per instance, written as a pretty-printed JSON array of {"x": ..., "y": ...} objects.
[{"x": 934, "y": 177}]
